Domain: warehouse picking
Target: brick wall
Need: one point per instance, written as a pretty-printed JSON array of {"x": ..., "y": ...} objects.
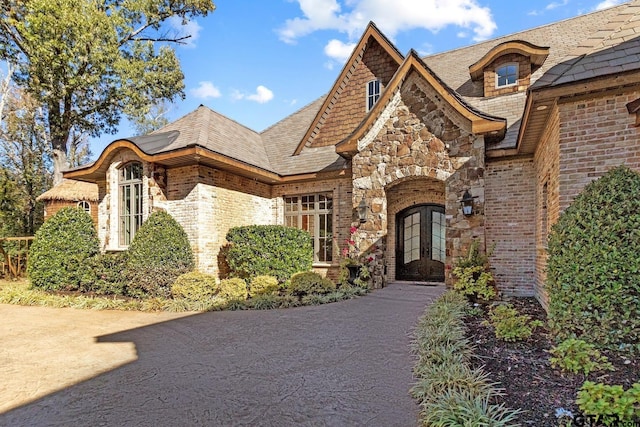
[
  {"x": 595, "y": 136},
  {"x": 343, "y": 213},
  {"x": 350, "y": 108},
  {"x": 547, "y": 205},
  {"x": 524, "y": 75},
  {"x": 510, "y": 231},
  {"x": 51, "y": 207}
]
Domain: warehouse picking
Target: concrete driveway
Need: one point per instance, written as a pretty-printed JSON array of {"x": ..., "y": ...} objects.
[{"x": 342, "y": 364}]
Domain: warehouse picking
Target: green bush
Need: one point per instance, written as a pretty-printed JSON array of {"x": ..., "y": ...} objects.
[
  {"x": 574, "y": 355},
  {"x": 234, "y": 289},
  {"x": 195, "y": 286},
  {"x": 593, "y": 271},
  {"x": 611, "y": 405},
  {"x": 263, "y": 285},
  {"x": 106, "y": 274},
  {"x": 308, "y": 283},
  {"x": 271, "y": 250},
  {"x": 60, "y": 250},
  {"x": 474, "y": 279},
  {"x": 511, "y": 326},
  {"x": 159, "y": 253}
]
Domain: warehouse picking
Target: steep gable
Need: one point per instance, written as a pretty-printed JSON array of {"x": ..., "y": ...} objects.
[{"x": 374, "y": 57}]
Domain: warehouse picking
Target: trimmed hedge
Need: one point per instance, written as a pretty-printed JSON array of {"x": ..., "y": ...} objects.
[
  {"x": 159, "y": 254},
  {"x": 268, "y": 250},
  {"x": 195, "y": 286},
  {"x": 263, "y": 285},
  {"x": 233, "y": 289},
  {"x": 61, "y": 249},
  {"x": 593, "y": 270}
]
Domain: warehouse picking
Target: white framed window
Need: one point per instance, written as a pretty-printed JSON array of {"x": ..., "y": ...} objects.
[
  {"x": 314, "y": 214},
  {"x": 130, "y": 200},
  {"x": 85, "y": 206},
  {"x": 507, "y": 75},
  {"x": 373, "y": 93}
]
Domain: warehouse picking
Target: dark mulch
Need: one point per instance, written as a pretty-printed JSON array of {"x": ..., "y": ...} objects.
[{"x": 523, "y": 370}]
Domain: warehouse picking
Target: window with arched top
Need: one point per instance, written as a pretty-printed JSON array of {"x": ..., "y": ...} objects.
[
  {"x": 130, "y": 198},
  {"x": 85, "y": 206}
]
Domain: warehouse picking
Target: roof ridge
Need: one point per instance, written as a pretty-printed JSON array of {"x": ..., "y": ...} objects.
[{"x": 512, "y": 35}]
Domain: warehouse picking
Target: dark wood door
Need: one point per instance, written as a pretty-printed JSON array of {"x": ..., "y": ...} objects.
[{"x": 420, "y": 243}]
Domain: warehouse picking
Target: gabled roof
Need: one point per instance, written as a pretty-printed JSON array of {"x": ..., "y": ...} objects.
[
  {"x": 371, "y": 32},
  {"x": 479, "y": 122}
]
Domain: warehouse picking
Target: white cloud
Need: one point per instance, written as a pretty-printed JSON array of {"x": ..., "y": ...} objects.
[
  {"x": 262, "y": 95},
  {"x": 555, "y": 5},
  {"x": 607, "y": 3},
  {"x": 206, "y": 90},
  {"x": 184, "y": 28},
  {"x": 432, "y": 15},
  {"x": 338, "y": 50}
]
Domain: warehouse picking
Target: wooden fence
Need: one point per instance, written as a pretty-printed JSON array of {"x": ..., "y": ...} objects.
[{"x": 14, "y": 253}]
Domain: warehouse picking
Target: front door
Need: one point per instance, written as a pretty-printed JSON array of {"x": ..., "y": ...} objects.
[{"x": 420, "y": 244}]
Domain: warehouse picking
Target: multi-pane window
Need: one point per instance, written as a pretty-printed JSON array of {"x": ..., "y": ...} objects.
[
  {"x": 314, "y": 214},
  {"x": 130, "y": 191},
  {"x": 373, "y": 93},
  {"x": 507, "y": 75},
  {"x": 412, "y": 238}
]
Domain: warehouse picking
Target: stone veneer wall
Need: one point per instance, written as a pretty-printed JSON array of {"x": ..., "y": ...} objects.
[
  {"x": 510, "y": 200},
  {"x": 419, "y": 135}
]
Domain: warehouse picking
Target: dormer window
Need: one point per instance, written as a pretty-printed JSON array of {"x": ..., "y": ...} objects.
[
  {"x": 507, "y": 75},
  {"x": 373, "y": 93}
]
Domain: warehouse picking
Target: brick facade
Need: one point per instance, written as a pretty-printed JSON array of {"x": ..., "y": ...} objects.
[
  {"x": 510, "y": 186},
  {"x": 51, "y": 207}
]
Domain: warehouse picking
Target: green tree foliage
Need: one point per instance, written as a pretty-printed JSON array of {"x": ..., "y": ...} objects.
[
  {"x": 61, "y": 250},
  {"x": 593, "y": 272},
  {"x": 88, "y": 62},
  {"x": 271, "y": 250},
  {"x": 25, "y": 164},
  {"x": 159, "y": 253}
]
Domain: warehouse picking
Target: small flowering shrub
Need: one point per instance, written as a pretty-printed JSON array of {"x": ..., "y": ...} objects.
[{"x": 353, "y": 258}]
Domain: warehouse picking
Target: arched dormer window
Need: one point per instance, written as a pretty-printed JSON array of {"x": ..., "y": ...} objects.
[
  {"x": 507, "y": 75},
  {"x": 130, "y": 201}
]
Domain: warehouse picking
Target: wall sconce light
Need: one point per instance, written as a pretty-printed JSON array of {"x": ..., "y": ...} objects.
[
  {"x": 362, "y": 210},
  {"x": 467, "y": 203}
]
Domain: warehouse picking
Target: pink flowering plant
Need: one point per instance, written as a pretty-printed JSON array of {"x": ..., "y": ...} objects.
[{"x": 352, "y": 257}]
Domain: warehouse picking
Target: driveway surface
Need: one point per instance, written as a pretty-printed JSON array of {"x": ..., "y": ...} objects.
[{"x": 341, "y": 364}]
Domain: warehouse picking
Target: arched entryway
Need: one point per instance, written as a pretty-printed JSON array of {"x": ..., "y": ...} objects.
[
  {"x": 420, "y": 243},
  {"x": 416, "y": 241}
]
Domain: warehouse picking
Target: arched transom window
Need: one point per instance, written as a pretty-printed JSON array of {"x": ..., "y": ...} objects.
[{"x": 130, "y": 198}]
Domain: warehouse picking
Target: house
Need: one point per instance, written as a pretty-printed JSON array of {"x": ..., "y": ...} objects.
[{"x": 515, "y": 126}]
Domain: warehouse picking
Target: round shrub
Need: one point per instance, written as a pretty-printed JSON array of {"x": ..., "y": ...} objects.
[
  {"x": 61, "y": 249},
  {"x": 195, "y": 286},
  {"x": 234, "y": 289},
  {"x": 158, "y": 254},
  {"x": 593, "y": 270},
  {"x": 263, "y": 285},
  {"x": 310, "y": 282},
  {"x": 272, "y": 250}
]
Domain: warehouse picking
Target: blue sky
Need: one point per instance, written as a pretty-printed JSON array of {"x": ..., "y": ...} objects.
[{"x": 256, "y": 62}]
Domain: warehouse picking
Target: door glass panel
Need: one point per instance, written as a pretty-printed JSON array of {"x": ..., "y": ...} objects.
[
  {"x": 412, "y": 238},
  {"x": 438, "y": 241}
]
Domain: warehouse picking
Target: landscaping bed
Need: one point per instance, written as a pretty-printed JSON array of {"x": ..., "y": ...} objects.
[{"x": 523, "y": 369}]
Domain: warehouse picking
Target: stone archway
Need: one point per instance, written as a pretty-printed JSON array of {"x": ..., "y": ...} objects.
[{"x": 403, "y": 194}]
